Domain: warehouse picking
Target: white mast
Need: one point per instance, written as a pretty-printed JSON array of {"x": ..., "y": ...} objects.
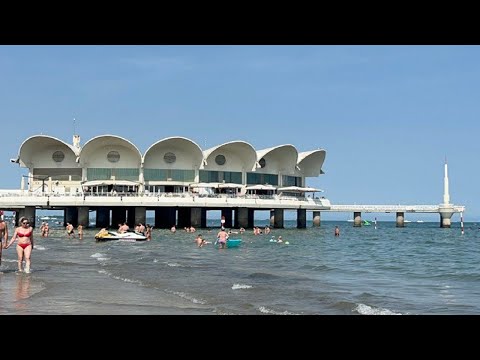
[
  {"x": 446, "y": 195},
  {"x": 76, "y": 138}
]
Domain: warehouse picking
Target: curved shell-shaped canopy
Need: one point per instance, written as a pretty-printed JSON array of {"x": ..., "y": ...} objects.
[
  {"x": 173, "y": 152},
  {"x": 278, "y": 159},
  {"x": 311, "y": 162},
  {"x": 237, "y": 156},
  {"x": 97, "y": 151},
  {"x": 43, "y": 151}
]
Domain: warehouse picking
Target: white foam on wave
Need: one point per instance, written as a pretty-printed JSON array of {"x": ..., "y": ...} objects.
[
  {"x": 369, "y": 310},
  {"x": 100, "y": 257},
  {"x": 265, "y": 310},
  {"x": 127, "y": 280},
  {"x": 241, "y": 286},
  {"x": 39, "y": 247},
  {"x": 173, "y": 264},
  {"x": 187, "y": 297}
]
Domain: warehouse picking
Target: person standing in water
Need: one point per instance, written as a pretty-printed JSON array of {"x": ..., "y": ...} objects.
[
  {"x": 24, "y": 235},
  {"x": 337, "y": 231},
  {"x": 222, "y": 238},
  {"x": 148, "y": 232},
  {"x": 3, "y": 236},
  {"x": 80, "y": 231}
]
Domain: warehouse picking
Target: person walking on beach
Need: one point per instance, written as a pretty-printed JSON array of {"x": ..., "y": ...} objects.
[
  {"x": 3, "y": 236},
  {"x": 24, "y": 235},
  {"x": 337, "y": 231}
]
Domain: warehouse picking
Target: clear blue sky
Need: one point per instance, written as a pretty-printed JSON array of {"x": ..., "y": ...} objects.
[{"x": 386, "y": 115}]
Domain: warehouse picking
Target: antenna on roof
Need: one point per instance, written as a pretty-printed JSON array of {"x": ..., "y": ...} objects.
[{"x": 74, "y": 131}]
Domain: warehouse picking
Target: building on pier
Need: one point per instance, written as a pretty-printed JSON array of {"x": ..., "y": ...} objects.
[{"x": 174, "y": 177}]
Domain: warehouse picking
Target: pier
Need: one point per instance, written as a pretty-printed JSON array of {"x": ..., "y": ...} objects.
[
  {"x": 445, "y": 212},
  {"x": 180, "y": 182},
  {"x": 189, "y": 209}
]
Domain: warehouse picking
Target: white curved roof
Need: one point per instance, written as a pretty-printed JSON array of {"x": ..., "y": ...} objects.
[
  {"x": 279, "y": 158},
  {"x": 241, "y": 154},
  {"x": 32, "y": 145},
  {"x": 311, "y": 162},
  {"x": 110, "y": 142},
  {"x": 38, "y": 152},
  {"x": 184, "y": 149}
]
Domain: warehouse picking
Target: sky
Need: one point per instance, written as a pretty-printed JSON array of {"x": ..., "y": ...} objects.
[{"x": 387, "y": 116}]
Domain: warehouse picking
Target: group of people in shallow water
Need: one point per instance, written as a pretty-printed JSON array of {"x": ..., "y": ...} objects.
[
  {"x": 23, "y": 234},
  {"x": 71, "y": 231}
]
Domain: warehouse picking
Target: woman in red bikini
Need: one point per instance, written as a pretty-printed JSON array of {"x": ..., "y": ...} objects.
[{"x": 24, "y": 235}]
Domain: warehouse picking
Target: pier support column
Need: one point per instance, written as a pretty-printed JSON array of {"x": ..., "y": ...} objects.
[
  {"x": 203, "y": 219},
  {"x": 316, "y": 219},
  {"x": 357, "y": 219},
  {"x": 103, "y": 218},
  {"x": 165, "y": 217},
  {"x": 446, "y": 217},
  {"x": 278, "y": 223},
  {"x": 251, "y": 218},
  {"x": 29, "y": 213},
  {"x": 140, "y": 214},
  {"x": 83, "y": 216},
  {"x": 196, "y": 217},
  {"x": 227, "y": 212},
  {"x": 400, "y": 219},
  {"x": 184, "y": 217},
  {"x": 16, "y": 217},
  {"x": 130, "y": 216},
  {"x": 119, "y": 216},
  {"x": 301, "y": 218},
  {"x": 241, "y": 218},
  {"x": 71, "y": 215},
  {"x": 272, "y": 218},
  {"x": 20, "y": 213}
]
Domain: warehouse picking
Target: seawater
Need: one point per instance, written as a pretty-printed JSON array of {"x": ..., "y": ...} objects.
[{"x": 418, "y": 269}]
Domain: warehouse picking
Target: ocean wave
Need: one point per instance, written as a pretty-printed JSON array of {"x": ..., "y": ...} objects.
[
  {"x": 186, "y": 296},
  {"x": 97, "y": 255},
  {"x": 39, "y": 247},
  {"x": 174, "y": 264},
  {"x": 363, "y": 309},
  {"x": 241, "y": 286},
  {"x": 260, "y": 275},
  {"x": 127, "y": 280},
  {"x": 265, "y": 310},
  {"x": 316, "y": 267}
]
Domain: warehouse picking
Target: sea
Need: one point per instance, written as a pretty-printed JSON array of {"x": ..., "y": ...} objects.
[{"x": 420, "y": 269}]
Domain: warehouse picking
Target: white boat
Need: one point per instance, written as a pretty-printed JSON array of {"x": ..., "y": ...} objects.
[
  {"x": 406, "y": 221},
  {"x": 105, "y": 235},
  {"x": 420, "y": 221}
]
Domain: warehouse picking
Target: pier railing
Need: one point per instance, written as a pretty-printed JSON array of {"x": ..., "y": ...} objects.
[
  {"x": 16, "y": 199},
  {"x": 394, "y": 208}
]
